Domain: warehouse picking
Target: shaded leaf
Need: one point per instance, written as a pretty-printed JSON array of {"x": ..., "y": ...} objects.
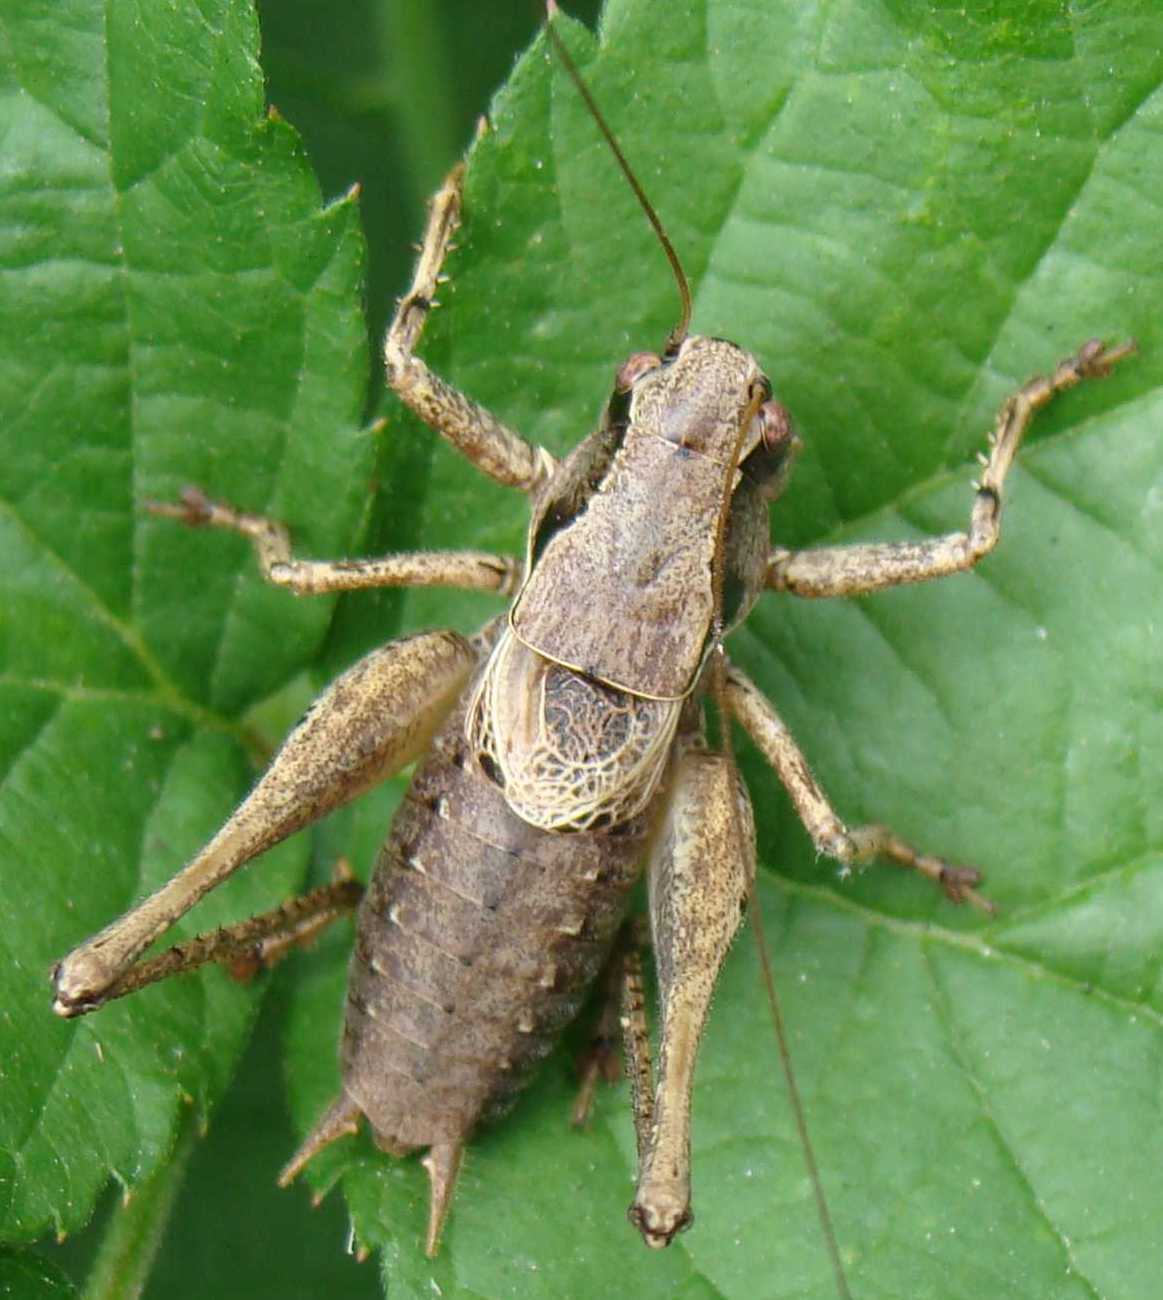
[{"x": 25, "y": 1275}]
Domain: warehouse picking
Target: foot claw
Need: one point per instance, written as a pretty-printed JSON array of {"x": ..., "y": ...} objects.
[
  {"x": 1095, "y": 360},
  {"x": 959, "y": 885},
  {"x": 193, "y": 508}
]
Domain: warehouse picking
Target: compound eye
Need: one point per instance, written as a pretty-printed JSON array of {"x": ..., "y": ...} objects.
[
  {"x": 633, "y": 368},
  {"x": 761, "y": 389},
  {"x": 775, "y": 428}
]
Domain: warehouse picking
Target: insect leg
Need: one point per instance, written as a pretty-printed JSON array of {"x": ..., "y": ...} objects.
[
  {"x": 636, "y": 1044},
  {"x": 856, "y": 570},
  {"x": 255, "y": 944},
  {"x": 371, "y": 721},
  {"x": 622, "y": 1024},
  {"x": 700, "y": 878},
  {"x": 601, "y": 1061},
  {"x": 492, "y": 447},
  {"x": 473, "y": 570},
  {"x": 851, "y": 847}
]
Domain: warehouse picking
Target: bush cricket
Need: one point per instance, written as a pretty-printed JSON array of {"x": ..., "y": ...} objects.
[{"x": 560, "y": 754}]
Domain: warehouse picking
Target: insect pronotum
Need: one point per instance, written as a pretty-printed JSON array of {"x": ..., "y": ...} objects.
[{"x": 563, "y": 750}]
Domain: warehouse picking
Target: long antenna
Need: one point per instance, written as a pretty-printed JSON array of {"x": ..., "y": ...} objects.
[
  {"x": 797, "y": 1106},
  {"x": 684, "y": 290},
  {"x": 719, "y": 662}
]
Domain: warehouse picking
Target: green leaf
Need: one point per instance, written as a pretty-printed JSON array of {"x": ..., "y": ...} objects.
[
  {"x": 24, "y": 1275},
  {"x": 904, "y": 210},
  {"x": 180, "y": 307}
]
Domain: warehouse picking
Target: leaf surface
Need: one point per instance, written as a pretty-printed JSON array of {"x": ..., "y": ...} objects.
[
  {"x": 904, "y": 212},
  {"x": 179, "y": 308}
]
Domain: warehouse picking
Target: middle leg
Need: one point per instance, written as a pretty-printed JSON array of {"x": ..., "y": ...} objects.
[
  {"x": 470, "y": 570},
  {"x": 851, "y": 847}
]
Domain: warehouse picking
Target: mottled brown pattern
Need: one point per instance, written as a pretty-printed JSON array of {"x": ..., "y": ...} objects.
[
  {"x": 700, "y": 878},
  {"x": 646, "y": 538},
  {"x": 370, "y": 722},
  {"x": 503, "y": 882},
  {"x": 570, "y": 753},
  {"x": 477, "y": 941}
]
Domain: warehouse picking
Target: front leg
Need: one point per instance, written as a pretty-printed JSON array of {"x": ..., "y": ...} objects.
[
  {"x": 476, "y": 433},
  {"x": 857, "y": 570}
]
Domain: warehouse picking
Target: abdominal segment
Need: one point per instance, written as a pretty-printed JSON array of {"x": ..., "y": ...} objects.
[{"x": 477, "y": 941}]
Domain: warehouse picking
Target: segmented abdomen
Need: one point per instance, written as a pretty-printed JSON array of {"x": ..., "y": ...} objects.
[{"x": 477, "y": 940}]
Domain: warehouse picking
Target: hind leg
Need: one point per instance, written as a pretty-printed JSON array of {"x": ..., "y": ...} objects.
[{"x": 372, "y": 721}]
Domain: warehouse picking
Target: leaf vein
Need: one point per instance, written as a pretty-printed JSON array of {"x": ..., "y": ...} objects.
[{"x": 960, "y": 1054}]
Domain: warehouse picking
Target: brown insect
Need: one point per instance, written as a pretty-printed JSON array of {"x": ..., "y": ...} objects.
[{"x": 563, "y": 750}]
